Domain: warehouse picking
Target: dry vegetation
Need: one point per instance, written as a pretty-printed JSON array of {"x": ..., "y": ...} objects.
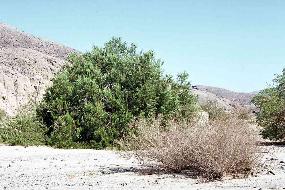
[
  {"x": 2, "y": 114},
  {"x": 222, "y": 147}
]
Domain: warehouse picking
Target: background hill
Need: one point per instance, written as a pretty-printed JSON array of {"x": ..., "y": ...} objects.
[
  {"x": 224, "y": 98},
  {"x": 237, "y": 97},
  {"x": 27, "y": 64}
]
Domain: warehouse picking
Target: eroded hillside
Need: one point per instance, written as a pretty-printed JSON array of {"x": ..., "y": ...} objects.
[{"x": 27, "y": 64}]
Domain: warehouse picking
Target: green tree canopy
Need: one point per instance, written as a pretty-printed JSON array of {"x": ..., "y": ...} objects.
[
  {"x": 93, "y": 99},
  {"x": 271, "y": 105}
]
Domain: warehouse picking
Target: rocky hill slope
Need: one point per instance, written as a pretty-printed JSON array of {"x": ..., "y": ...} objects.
[
  {"x": 237, "y": 97},
  {"x": 27, "y": 64},
  {"x": 224, "y": 98}
]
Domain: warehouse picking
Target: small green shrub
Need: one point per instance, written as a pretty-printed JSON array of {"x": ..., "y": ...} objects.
[
  {"x": 271, "y": 105},
  {"x": 93, "y": 99},
  {"x": 24, "y": 129}
]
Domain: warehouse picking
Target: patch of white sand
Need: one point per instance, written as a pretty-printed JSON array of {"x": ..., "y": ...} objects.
[{"x": 47, "y": 168}]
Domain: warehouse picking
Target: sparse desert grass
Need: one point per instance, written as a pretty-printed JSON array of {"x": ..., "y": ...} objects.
[
  {"x": 224, "y": 147},
  {"x": 2, "y": 114},
  {"x": 215, "y": 111}
]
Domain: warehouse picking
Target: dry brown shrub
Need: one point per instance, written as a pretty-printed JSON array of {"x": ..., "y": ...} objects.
[{"x": 225, "y": 147}]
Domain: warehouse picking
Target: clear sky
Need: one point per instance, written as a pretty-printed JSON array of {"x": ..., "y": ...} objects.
[{"x": 235, "y": 44}]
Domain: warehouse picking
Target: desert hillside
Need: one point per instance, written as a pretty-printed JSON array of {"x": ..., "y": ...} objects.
[
  {"x": 241, "y": 98},
  {"x": 226, "y": 99},
  {"x": 27, "y": 64}
]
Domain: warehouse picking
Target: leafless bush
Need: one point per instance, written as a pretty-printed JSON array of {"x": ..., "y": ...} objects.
[{"x": 222, "y": 148}]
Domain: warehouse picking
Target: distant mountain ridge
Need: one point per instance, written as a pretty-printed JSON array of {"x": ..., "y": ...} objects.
[
  {"x": 226, "y": 99},
  {"x": 241, "y": 98}
]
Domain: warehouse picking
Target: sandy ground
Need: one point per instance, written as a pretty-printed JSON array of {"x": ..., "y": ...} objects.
[{"x": 48, "y": 168}]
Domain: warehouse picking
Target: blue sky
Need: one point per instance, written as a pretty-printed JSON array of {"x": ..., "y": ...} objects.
[{"x": 234, "y": 44}]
